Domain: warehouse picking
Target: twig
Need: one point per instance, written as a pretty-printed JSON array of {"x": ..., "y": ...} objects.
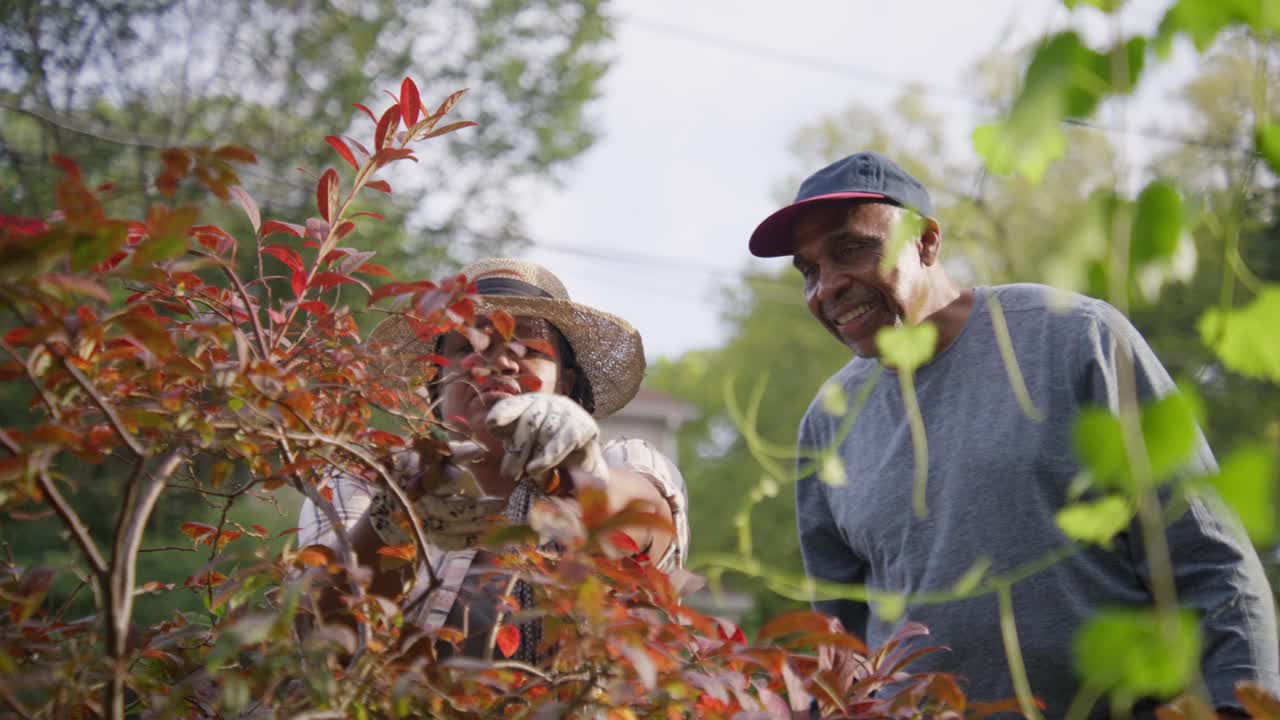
[
  {"x": 57, "y": 617},
  {"x": 116, "y": 423},
  {"x": 35, "y": 382},
  {"x": 72, "y": 520},
  {"x": 249, "y": 308},
  {"x": 13, "y": 702},
  {"x": 217, "y": 538},
  {"x": 167, "y": 547}
]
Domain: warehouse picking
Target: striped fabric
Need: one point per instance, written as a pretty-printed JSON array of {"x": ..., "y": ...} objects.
[{"x": 352, "y": 496}]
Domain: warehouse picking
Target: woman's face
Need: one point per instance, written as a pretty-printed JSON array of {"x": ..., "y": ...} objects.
[{"x": 469, "y": 399}]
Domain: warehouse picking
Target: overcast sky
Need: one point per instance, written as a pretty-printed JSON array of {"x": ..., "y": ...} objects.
[{"x": 698, "y": 113}]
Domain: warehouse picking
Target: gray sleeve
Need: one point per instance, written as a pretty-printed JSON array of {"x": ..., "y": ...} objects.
[
  {"x": 825, "y": 553},
  {"x": 1216, "y": 569}
]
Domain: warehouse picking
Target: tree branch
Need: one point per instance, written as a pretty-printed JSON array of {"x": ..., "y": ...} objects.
[
  {"x": 79, "y": 532},
  {"x": 116, "y": 423},
  {"x": 124, "y": 569}
]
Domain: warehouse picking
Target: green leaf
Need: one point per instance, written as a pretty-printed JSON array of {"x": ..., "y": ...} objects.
[
  {"x": 831, "y": 471},
  {"x": 1125, "y": 651},
  {"x": 1204, "y": 19},
  {"x": 972, "y": 576},
  {"x": 1169, "y": 431},
  {"x": 1007, "y": 150},
  {"x": 1267, "y": 138},
  {"x": 890, "y": 608},
  {"x": 1246, "y": 483},
  {"x": 1099, "y": 442},
  {"x": 1158, "y": 223},
  {"x": 1245, "y": 337},
  {"x": 1107, "y": 6},
  {"x": 1096, "y": 522},
  {"x": 907, "y": 347},
  {"x": 834, "y": 401}
]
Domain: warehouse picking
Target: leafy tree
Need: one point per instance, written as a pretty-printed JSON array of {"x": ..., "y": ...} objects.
[
  {"x": 111, "y": 83},
  {"x": 144, "y": 345}
]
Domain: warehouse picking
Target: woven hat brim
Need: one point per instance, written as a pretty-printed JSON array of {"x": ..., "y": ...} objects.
[{"x": 607, "y": 348}]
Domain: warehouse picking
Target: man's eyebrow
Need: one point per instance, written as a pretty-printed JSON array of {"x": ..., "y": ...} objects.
[{"x": 845, "y": 234}]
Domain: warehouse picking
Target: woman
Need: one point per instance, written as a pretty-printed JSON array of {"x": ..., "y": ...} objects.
[{"x": 583, "y": 363}]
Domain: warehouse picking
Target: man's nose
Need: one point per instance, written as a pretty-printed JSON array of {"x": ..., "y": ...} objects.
[{"x": 831, "y": 283}]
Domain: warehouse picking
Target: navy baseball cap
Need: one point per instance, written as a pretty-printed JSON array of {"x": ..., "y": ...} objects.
[{"x": 861, "y": 175}]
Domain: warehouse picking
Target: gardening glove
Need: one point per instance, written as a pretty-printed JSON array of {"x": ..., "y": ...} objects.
[{"x": 540, "y": 431}]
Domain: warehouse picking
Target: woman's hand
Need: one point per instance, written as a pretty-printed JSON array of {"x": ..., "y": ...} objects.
[{"x": 542, "y": 431}]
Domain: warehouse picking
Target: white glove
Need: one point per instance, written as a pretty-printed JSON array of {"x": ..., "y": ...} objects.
[{"x": 540, "y": 431}]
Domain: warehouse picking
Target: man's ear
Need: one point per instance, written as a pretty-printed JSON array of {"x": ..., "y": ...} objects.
[{"x": 930, "y": 242}]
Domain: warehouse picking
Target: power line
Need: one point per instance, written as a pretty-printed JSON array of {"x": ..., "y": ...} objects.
[{"x": 877, "y": 77}]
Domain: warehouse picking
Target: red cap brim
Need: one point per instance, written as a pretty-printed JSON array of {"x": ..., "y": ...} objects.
[{"x": 772, "y": 237}]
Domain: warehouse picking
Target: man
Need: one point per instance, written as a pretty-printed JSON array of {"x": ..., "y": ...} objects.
[
  {"x": 578, "y": 362},
  {"x": 996, "y": 477}
]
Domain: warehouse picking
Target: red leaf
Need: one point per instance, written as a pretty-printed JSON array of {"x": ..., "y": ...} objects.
[
  {"x": 344, "y": 229},
  {"x": 508, "y": 640},
  {"x": 286, "y": 255},
  {"x": 207, "y": 579},
  {"x": 356, "y": 146},
  {"x": 367, "y": 213},
  {"x": 246, "y": 202},
  {"x": 449, "y": 102},
  {"x": 299, "y": 282},
  {"x": 450, "y": 128},
  {"x": 410, "y": 102},
  {"x": 503, "y": 323},
  {"x": 529, "y": 382},
  {"x": 336, "y": 143},
  {"x": 400, "y": 288},
  {"x": 365, "y": 110},
  {"x": 195, "y": 530},
  {"x": 315, "y": 307},
  {"x": 733, "y": 637},
  {"x": 371, "y": 269},
  {"x": 327, "y": 192},
  {"x": 389, "y": 121},
  {"x": 271, "y": 227},
  {"x": 355, "y": 260},
  {"x": 326, "y": 280},
  {"x": 315, "y": 556},
  {"x": 539, "y": 345},
  {"x": 235, "y": 153},
  {"x": 402, "y": 552},
  {"x": 276, "y": 316},
  {"x": 623, "y": 542},
  {"x": 392, "y": 154},
  {"x": 67, "y": 165},
  {"x": 379, "y": 185}
]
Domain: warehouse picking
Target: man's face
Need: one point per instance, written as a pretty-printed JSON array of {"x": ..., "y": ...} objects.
[
  {"x": 461, "y": 396},
  {"x": 838, "y": 249}
]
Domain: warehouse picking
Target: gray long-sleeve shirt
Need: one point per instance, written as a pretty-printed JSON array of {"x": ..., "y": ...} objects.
[{"x": 996, "y": 479}]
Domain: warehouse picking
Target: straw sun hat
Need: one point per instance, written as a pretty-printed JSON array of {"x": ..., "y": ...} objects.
[{"x": 606, "y": 347}]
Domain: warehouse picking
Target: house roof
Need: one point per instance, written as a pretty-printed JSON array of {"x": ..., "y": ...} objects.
[{"x": 653, "y": 404}]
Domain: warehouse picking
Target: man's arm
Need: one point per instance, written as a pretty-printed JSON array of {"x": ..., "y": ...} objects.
[
  {"x": 822, "y": 545},
  {"x": 1217, "y": 572}
]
